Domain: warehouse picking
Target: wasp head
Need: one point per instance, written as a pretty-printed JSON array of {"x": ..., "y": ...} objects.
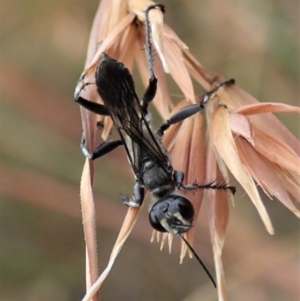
[{"x": 172, "y": 213}]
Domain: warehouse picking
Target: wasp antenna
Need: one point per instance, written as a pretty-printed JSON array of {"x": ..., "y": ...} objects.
[{"x": 199, "y": 260}]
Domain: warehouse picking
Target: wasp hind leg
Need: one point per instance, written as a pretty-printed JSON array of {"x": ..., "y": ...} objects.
[
  {"x": 94, "y": 107},
  {"x": 152, "y": 86},
  {"x": 191, "y": 110}
]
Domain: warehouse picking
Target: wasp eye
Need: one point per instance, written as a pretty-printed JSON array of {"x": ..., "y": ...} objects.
[{"x": 172, "y": 213}]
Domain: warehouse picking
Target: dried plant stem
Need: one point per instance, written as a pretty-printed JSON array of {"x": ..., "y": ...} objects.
[
  {"x": 128, "y": 224},
  {"x": 89, "y": 226}
]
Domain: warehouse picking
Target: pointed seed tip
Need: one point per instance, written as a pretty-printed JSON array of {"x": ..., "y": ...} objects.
[{"x": 297, "y": 213}]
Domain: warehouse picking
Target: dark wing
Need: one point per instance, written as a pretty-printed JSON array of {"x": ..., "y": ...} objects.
[{"x": 116, "y": 87}]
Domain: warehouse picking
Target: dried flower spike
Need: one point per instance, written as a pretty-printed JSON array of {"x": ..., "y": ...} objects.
[{"x": 242, "y": 136}]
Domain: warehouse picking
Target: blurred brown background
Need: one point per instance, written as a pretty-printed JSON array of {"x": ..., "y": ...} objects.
[{"x": 43, "y": 46}]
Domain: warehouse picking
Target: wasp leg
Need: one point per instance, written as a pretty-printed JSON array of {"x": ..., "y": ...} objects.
[
  {"x": 100, "y": 125},
  {"x": 93, "y": 106},
  {"x": 138, "y": 197},
  {"x": 207, "y": 95},
  {"x": 149, "y": 94},
  {"x": 101, "y": 150},
  {"x": 212, "y": 185},
  {"x": 152, "y": 86},
  {"x": 190, "y": 110},
  {"x": 182, "y": 114},
  {"x": 89, "y": 105},
  {"x": 178, "y": 177}
]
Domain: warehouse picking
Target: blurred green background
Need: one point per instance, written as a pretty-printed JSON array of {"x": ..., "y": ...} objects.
[{"x": 43, "y": 46}]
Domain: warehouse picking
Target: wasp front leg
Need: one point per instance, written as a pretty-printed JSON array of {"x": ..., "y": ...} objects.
[
  {"x": 178, "y": 178},
  {"x": 137, "y": 198}
]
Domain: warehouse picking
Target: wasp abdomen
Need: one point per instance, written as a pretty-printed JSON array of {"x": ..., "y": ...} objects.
[{"x": 114, "y": 82}]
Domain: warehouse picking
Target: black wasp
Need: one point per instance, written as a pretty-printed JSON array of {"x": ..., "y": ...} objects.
[{"x": 148, "y": 157}]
